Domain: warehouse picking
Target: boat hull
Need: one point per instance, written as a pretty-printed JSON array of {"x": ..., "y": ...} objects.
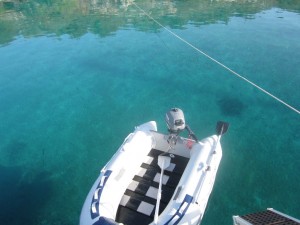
[{"x": 122, "y": 184}]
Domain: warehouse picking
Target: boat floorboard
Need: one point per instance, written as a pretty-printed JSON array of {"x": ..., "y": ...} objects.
[{"x": 138, "y": 202}]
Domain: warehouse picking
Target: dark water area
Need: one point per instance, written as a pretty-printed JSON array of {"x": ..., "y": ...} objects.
[
  {"x": 22, "y": 195},
  {"x": 77, "y": 76}
]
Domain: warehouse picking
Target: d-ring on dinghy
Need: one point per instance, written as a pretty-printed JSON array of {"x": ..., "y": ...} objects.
[{"x": 156, "y": 178}]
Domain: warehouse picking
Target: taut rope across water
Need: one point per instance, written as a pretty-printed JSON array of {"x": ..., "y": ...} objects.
[{"x": 219, "y": 63}]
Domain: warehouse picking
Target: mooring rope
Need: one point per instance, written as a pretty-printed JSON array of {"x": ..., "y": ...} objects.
[{"x": 219, "y": 63}]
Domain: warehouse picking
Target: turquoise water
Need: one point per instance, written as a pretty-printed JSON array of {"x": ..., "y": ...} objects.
[{"x": 77, "y": 76}]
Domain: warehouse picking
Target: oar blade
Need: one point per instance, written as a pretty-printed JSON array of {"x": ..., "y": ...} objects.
[
  {"x": 222, "y": 127},
  {"x": 164, "y": 161}
]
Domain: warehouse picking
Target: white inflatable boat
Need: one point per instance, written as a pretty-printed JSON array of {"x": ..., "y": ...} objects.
[{"x": 156, "y": 178}]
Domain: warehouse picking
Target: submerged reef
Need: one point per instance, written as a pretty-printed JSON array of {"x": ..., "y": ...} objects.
[{"x": 230, "y": 106}]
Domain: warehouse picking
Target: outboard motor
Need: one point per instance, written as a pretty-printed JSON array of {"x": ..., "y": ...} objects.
[
  {"x": 175, "y": 120},
  {"x": 176, "y": 123}
]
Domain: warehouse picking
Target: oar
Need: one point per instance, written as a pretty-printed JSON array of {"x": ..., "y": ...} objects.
[
  {"x": 221, "y": 129},
  {"x": 163, "y": 162}
]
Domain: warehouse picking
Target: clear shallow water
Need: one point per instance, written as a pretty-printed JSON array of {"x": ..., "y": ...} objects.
[{"x": 76, "y": 77}]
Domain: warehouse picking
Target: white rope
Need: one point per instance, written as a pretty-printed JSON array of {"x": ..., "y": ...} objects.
[{"x": 219, "y": 63}]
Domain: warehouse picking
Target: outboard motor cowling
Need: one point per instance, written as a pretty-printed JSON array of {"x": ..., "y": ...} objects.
[{"x": 175, "y": 120}]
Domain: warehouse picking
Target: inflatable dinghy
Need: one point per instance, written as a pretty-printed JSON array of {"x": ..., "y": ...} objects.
[{"x": 156, "y": 178}]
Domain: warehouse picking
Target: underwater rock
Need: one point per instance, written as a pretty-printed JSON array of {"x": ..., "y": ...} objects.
[{"x": 231, "y": 106}]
